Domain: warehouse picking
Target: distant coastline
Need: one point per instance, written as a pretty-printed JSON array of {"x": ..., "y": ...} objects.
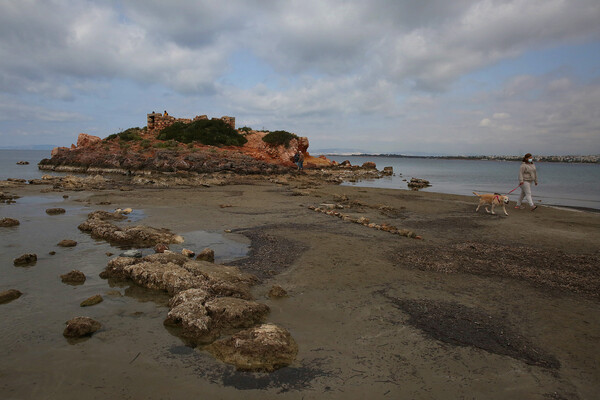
[{"x": 589, "y": 159}]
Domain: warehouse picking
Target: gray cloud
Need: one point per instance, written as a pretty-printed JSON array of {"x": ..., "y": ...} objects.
[{"x": 332, "y": 60}]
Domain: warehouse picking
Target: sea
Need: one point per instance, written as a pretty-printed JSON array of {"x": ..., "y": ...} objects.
[
  {"x": 560, "y": 184},
  {"x": 572, "y": 185}
]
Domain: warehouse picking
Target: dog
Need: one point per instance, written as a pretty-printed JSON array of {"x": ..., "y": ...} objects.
[{"x": 493, "y": 200}]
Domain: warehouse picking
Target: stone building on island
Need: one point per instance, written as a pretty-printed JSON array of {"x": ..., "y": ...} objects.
[{"x": 157, "y": 121}]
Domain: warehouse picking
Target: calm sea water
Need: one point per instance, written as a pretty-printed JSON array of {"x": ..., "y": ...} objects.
[
  {"x": 560, "y": 184},
  {"x": 10, "y": 158}
]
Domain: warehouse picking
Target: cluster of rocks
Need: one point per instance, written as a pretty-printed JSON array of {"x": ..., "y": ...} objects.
[
  {"x": 98, "y": 159},
  {"x": 208, "y": 301},
  {"x": 98, "y": 225},
  {"x": 8, "y": 198},
  {"x": 417, "y": 183},
  {"x": 71, "y": 182},
  {"x": 22, "y": 162},
  {"x": 346, "y": 172},
  {"x": 330, "y": 209}
]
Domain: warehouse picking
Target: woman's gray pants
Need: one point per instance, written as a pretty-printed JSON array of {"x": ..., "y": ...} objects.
[{"x": 526, "y": 193}]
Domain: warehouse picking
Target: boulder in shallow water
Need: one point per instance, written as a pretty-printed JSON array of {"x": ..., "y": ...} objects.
[
  {"x": 81, "y": 326},
  {"x": 76, "y": 277},
  {"x": 91, "y": 301},
  {"x": 25, "y": 259},
  {"x": 264, "y": 348},
  {"x": 206, "y": 255},
  {"x": 277, "y": 292},
  {"x": 67, "y": 243},
  {"x": 369, "y": 165},
  {"x": 55, "y": 211},
  {"x": 7, "y": 222},
  {"x": 9, "y": 295}
]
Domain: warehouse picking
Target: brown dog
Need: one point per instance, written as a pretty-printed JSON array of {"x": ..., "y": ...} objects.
[{"x": 493, "y": 200}]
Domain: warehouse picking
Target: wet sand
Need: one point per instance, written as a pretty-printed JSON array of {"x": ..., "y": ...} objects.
[{"x": 484, "y": 306}]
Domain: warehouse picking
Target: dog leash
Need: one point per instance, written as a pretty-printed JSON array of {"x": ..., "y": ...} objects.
[{"x": 515, "y": 188}]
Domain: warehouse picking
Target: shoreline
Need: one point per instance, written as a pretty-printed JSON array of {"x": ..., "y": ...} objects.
[{"x": 548, "y": 159}]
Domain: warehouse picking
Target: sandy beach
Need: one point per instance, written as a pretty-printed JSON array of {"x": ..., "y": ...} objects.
[{"x": 480, "y": 306}]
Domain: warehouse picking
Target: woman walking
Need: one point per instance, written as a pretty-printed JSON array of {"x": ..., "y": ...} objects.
[{"x": 527, "y": 175}]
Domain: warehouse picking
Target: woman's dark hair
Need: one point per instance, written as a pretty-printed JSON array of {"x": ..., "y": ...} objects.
[{"x": 527, "y": 156}]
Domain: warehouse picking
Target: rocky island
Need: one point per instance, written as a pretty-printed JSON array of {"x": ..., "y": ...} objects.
[{"x": 179, "y": 145}]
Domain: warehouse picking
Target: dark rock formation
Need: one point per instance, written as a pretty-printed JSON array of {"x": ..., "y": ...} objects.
[
  {"x": 416, "y": 183},
  {"x": 55, "y": 211},
  {"x": 7, "y": 222},
  {"x": 22, "y": 162},
  {"x": 25, "y": 259},
  {"x": 81, "y": 326},
  {"x": 264, "y": 348},
  {"x": 73, "y": 277},
  {"x": 67, "y": 243},
  {"x": 9, "y": 295},
  {"x": 90, "y": 301}
]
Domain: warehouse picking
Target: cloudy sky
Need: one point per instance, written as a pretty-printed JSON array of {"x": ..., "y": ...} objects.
[{"x": 392, "y": 76}]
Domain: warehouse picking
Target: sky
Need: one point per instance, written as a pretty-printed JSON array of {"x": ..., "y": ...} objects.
[{"x": 460, "y": 77}]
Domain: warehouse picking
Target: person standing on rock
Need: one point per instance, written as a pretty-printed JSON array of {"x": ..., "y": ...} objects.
[{"x": 527, "y": 175}]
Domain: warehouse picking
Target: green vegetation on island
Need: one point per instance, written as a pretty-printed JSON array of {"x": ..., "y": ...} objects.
[
  {"x": 278, "y": 138},
  {"x": 127, "y": 135},
  {"x": 208, "y": 132}
]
